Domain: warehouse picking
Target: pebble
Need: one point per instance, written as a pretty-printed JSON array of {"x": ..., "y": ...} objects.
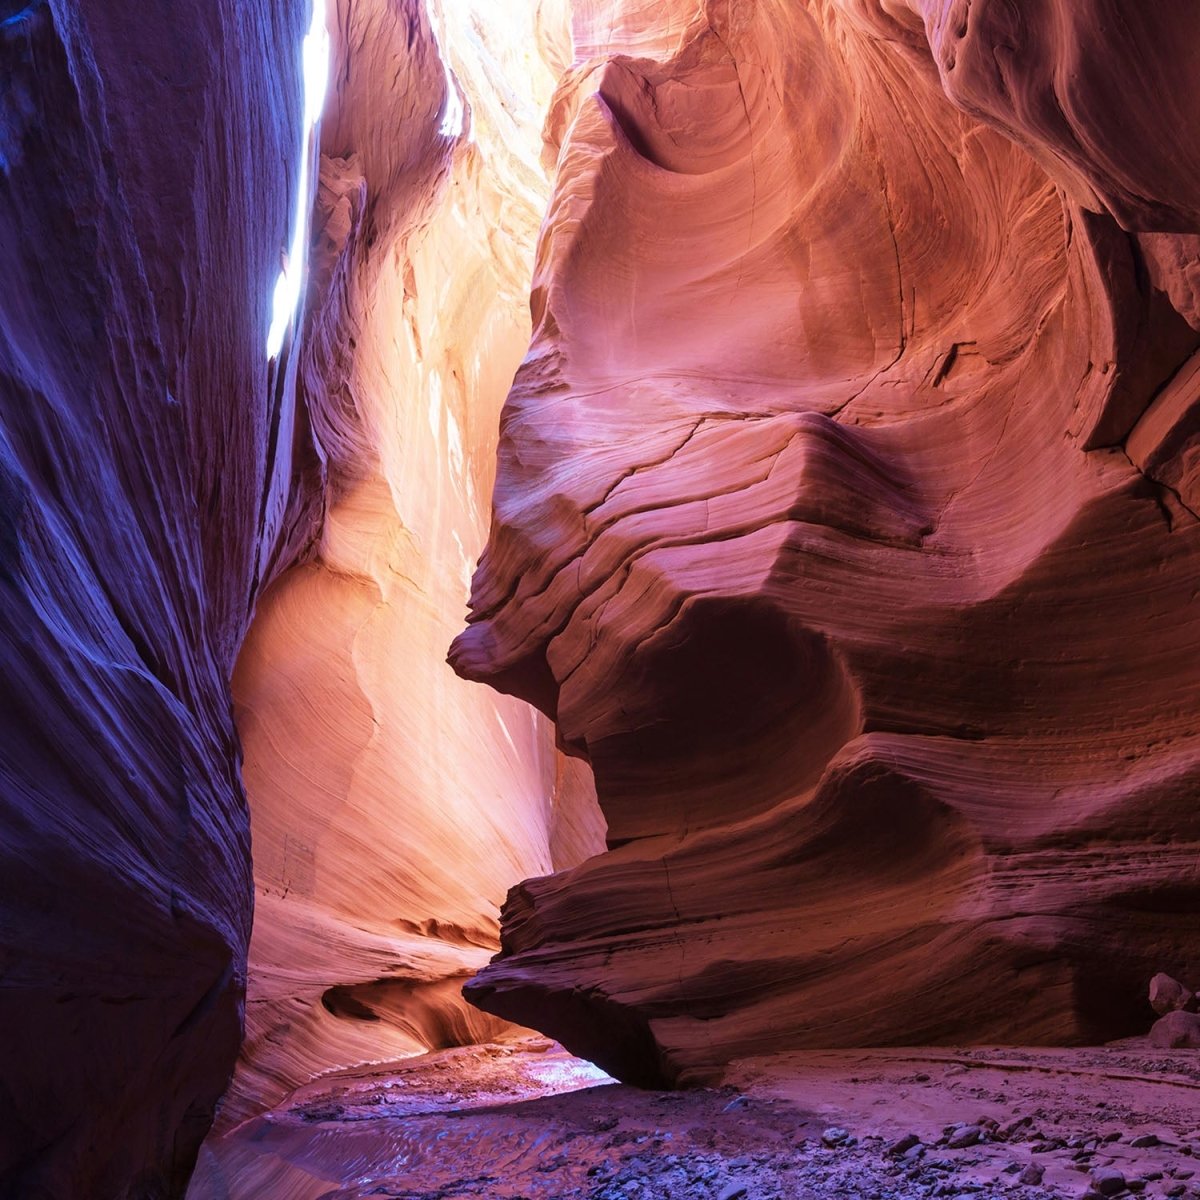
[
  {"x": 732, "y": 1191},
  {"x": 1015, "y": 1127},
  {"x": 1145, "y": 1140},
  {"x": 906, "y": 1143},
  {"x": 835, "y": 1136},
  {"x": 1032, "y": 1175},
  {"x": 968, "y": 1135}
]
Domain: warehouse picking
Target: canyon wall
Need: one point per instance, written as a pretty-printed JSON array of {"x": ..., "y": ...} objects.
[
  {"x": 392, "y": 804},
  {"x": 149, "y": 160},
  {"x": 204, "y": 548},
  {"x": 846, "y": 524}
]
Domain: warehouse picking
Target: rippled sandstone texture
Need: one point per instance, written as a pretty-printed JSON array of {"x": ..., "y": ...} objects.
[
  {"x": 846, "y": 524},
  {"x": 148, "y": 162},
  {"x": 165, "y": 497},
  {"x": 393, "y": 805}
]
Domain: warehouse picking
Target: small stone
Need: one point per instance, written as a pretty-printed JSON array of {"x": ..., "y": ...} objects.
[
  {"x": 968, "y": 1135},
  {"x": 736, "y": 1103},
  {"x": 1169, "y": 995},
  {"x": 834, "y": 1136},
  {"x": 1177, "y": 1189},
  {"x": 1032, "y": 1175},
  {"x": 915, "y": 1153},
  {"x": 1144, "y": 1141},
  {"x": 732, "y": 1191},
  {"x": 1108, "y": 1181},
  {"x": 906, "y": 1143}
]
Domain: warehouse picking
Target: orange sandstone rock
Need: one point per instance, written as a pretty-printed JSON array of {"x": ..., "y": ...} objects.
[{"x": 844, "y": 522}]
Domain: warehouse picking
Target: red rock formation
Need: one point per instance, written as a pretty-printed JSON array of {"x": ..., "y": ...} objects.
[
  {"x": 148, "y": 163},
  {"x": 845, "y": 523}
]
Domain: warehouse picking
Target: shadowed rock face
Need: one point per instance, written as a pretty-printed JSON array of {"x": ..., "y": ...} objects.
[
  {"x": 148, "y": 161},
  {"x": 846, "y": 522}
]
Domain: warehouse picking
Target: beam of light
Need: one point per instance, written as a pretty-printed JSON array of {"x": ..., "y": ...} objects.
[
  {"x": 286, "y": 300},
  {"x": 454, "y": 117}
]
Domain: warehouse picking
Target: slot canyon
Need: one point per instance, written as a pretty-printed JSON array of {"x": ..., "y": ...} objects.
[{"x": 601, "y": 598}]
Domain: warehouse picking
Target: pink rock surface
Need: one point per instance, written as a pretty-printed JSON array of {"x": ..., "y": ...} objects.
[
  {"x": 844, "y": 524},
  {"x": 817, "y": 533},
  {"x": 392, "y": 804},
  {"x": 440, "y": 1126},
  {"x": 1176, "y": 1031}
]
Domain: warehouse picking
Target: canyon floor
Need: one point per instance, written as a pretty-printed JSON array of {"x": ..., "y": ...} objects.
[{"x": 525, "y": 1120}]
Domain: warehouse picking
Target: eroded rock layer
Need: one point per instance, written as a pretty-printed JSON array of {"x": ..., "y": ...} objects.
[
  {"x": 392, "y": 804},
  {"x": 846, "y": 524},
  {"x": 149, "y": 159},
  {"x": 165, "y": 478}
]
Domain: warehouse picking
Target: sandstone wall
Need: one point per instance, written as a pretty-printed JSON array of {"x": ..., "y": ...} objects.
[{"x": 845, "y": 523}]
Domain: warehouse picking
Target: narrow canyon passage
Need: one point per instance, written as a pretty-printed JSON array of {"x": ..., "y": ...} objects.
[
  {"x": 600, "y": 599},
  {"x": 392, "y": 804}
]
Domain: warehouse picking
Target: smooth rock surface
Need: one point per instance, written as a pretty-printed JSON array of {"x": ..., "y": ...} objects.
[
  {"x": 168, "y": 495},
  {"x": 148, "y": 163},
  {"x": 817, "y": 530},
  {"x": 1176, "y": 1031},
  {"x": 392, "y": 804},
  {"x": 1169, "y": 995}
]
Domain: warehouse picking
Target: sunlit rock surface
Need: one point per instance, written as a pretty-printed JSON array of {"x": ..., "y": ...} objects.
[
  {"x": 392, "y": 804},
  {"x": 845, "y": 522},
  {"x": 148, "y": 161}
]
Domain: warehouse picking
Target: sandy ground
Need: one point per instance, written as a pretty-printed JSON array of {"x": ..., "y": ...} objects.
[{"x": 525, "y": 1120}]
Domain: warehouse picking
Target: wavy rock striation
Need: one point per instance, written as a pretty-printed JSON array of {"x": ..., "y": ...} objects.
[
  {"x": 148, "y": 163},
  {"x": 167, "y": 494},
  {"x": 845, "y": 522},
  {"x": 393, "y": 805}
]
